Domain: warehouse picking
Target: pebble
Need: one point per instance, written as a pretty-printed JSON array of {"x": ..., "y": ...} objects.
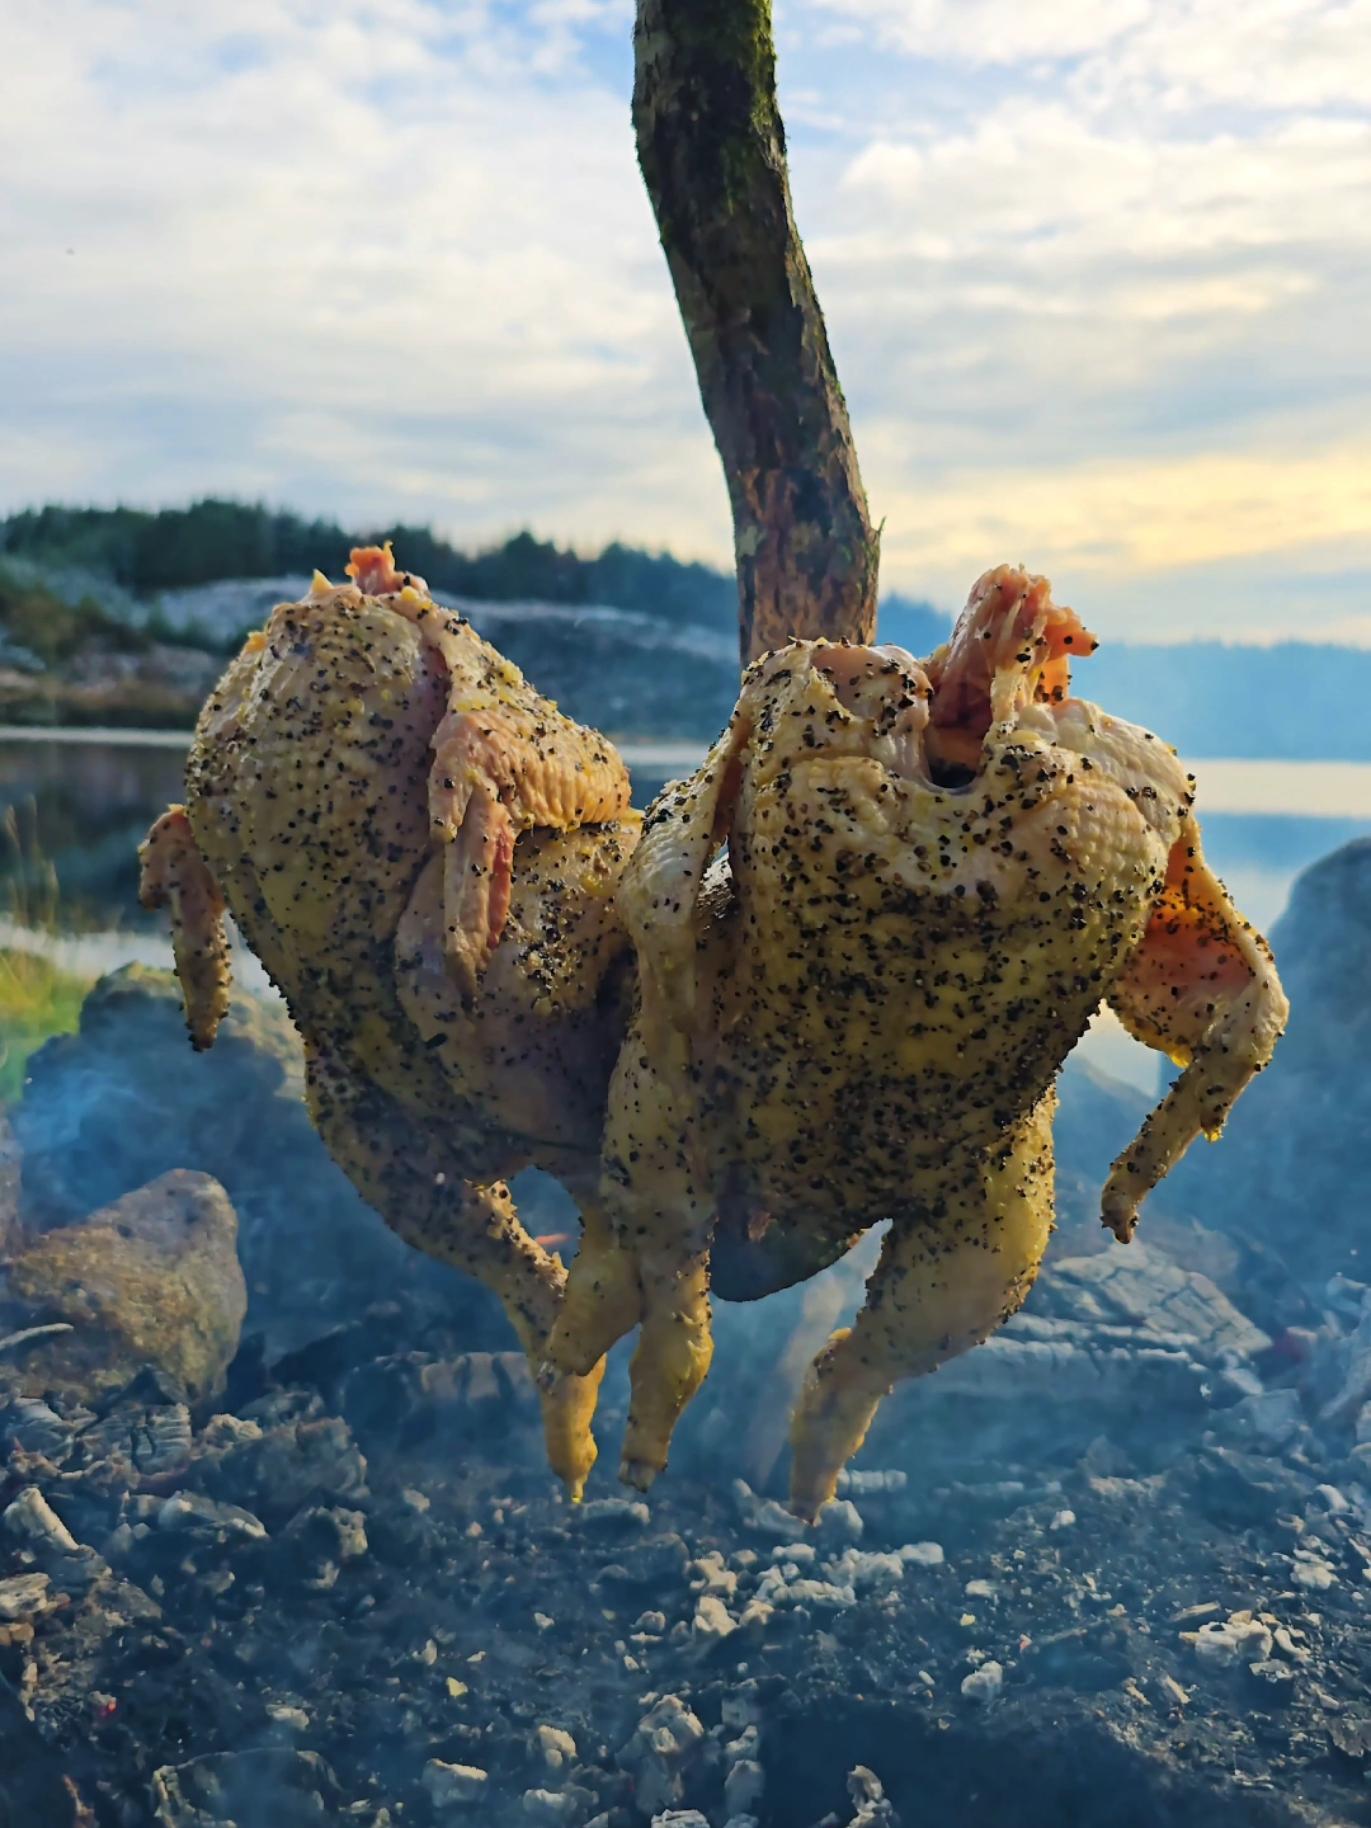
[
  {"x": 984, "y": 1684},
  {"x": 454, "y": 1786},
  {"x": 1062, "y": 1521},
  {"x": 980, "y": 1589},
  {"x": 680, "y": 1818},
  {"x": 923, "y": 1554}
]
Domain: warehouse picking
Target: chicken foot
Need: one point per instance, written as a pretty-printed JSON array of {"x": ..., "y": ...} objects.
[
  {"x": 943, "y": 1284},
  {"x": 410, "y": 1179}
]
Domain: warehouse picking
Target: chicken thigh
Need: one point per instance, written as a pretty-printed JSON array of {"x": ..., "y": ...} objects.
[{"x": 934, "y": 874}]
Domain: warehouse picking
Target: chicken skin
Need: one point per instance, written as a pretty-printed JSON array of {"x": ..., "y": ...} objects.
[
  {"x": 934, "y": 874},
  {"x": 422, "y": 851}
]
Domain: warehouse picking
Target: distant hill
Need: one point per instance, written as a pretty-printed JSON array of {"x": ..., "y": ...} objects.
[{"x": 202, "y": 575}]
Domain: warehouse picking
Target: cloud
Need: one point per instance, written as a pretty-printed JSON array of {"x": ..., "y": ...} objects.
[{"x": 1096, "y": 276}]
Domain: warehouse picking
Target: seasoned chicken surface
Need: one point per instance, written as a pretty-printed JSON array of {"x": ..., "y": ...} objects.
[
  {"x": 934, "y": 875},
  {"x": 422, "y": 851}
]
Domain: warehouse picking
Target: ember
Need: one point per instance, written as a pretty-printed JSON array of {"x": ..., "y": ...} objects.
[{"x": 1113, "y": 1567}]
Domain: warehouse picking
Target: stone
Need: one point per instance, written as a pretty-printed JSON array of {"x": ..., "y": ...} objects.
[
  {"x": 1296, "y": 1142},
  {"x": 153, "y": 1279},
  {"x": 123, "y": 1101},
  {"x": 11, "y": 1228}
]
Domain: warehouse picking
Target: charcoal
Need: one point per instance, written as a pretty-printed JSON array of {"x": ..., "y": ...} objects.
[{"x": 267, "y": 1787}]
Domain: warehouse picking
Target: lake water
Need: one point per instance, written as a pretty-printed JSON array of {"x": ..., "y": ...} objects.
[{"x": 84, "y": 799}]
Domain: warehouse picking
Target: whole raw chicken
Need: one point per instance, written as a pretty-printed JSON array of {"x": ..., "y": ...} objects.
[
  {"x": 934, "y": 875},
  {"x": 355, "y": 792}
]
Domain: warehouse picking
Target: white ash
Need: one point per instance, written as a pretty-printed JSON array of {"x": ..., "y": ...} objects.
[
  {"x": 201, "y": 1516},
  {"x": 25, "y": 1596},
  {"x": 710, "y": 1574},
  {"x": 32, "y": 1519},
  {"x": 1240, "y": 1637},
  {"x": 743, "y": 1787},
  {"x": 765, "y": 1514},
  {"x": 923, "y": 1554},
  {"x": 864, "y": 1568},
  {"x": 712, "y": 1623},
  {"x": 553, "y": 1747},
  {"x": 741, "y": 1705},
  {"x": 861, "y": 1484},
  {"x": 841, "y": 1521},
  {"x": 680, "y": 1818},
  {"x": 613, "y": 1512},
  {"x": 454, "y": 1786},
  {"x": 869, "y": 1800},
  {"x": 557, "y": 1808},
  {"x": 1312, "y": 1572},
  {"x": 984, "y": 1684},
  {"x": 658, "y": 1751},
  {"x": 1062, "y": 1520}
]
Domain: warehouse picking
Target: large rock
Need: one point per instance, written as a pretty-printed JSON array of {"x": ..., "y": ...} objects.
[
  {"x": 153, "y": 1279},
  {"x": 1293, "y": 1170},
  {"x": 10, "y": 1228},
  {"x": 124, "y": 1100}
]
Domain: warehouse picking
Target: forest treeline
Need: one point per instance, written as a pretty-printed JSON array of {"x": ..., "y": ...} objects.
[
  {"x": 69, "y": 578},
  {"x": 146, "y": 553}
]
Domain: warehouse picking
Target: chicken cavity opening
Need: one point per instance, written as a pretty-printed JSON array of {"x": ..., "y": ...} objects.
[{"x": 1012, "y": 648}]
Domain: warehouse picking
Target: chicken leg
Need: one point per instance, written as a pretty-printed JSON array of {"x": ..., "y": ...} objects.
[
  {"x": 942, "y": 1286},
  {"x": 410, "y": 1178}
]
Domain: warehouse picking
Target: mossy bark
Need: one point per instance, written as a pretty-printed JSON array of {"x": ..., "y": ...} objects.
[{"x": 712, "y": 149}]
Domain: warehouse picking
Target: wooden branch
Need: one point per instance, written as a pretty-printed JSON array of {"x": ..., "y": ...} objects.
[{"x": 712, "y": 150}]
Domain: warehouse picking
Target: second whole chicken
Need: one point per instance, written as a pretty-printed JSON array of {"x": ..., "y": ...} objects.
[{"x": 869, "y": 929}]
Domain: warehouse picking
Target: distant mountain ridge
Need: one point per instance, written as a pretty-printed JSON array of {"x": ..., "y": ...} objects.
[{"x": 594, "y": 630}]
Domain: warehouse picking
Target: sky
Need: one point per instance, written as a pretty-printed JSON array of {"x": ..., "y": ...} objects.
[{"x": 1097, "y": 277}]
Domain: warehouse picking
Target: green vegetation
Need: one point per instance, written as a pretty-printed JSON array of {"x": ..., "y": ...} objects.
[{"x": 37, "y": 999}]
